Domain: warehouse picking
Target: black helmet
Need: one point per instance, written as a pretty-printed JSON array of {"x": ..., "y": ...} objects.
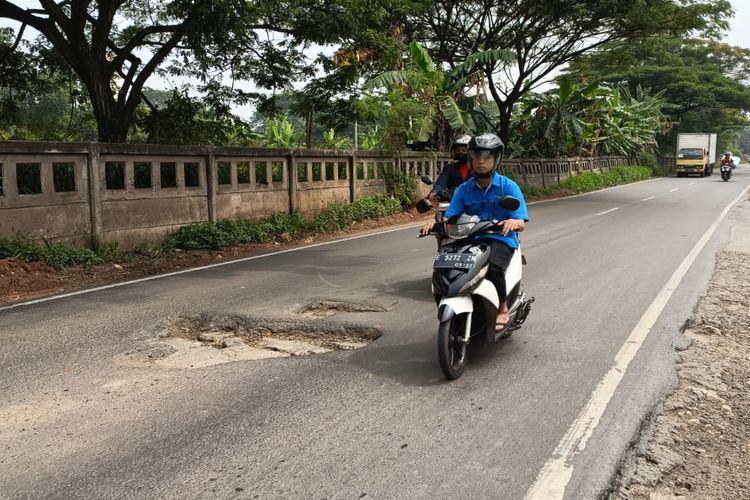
[
  {"x": 460, "y": 141},
  {"x": 488, "y": 142}
]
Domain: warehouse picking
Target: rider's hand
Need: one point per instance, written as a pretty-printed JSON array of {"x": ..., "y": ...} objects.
[
  {"x": 510, "y": 225},
  {"x": 428, "y": 227},
  {"x": 432, "y": 196}
]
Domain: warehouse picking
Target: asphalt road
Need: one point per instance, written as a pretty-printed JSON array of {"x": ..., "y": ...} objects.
[{"x": 378, "y": 422}]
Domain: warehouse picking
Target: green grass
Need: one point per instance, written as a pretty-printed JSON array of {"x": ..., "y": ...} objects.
[
  {"x": 591, "y": 181},
  {"x": 221, "y": 234},
  {"x": 57, "y": 255}
]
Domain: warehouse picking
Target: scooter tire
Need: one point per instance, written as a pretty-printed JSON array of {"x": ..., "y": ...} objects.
[{"x": 452, "y": 354}]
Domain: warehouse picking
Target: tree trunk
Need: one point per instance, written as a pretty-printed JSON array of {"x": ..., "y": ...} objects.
[
  {"x": 112, "y": 118},
  {"x": 506, "y": 110}
]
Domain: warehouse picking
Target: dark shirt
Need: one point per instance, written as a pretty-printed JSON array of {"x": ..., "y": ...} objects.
[{"x": 449, "y": 180}]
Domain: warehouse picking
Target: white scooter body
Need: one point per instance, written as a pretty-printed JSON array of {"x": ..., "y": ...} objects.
[{"x": 450, "y": 306}]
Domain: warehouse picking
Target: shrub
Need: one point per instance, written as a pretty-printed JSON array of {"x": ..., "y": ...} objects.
[
  {"x": 56, "y": 255},
  {"x": 401, "y": 186},
  {"x": 335, "y": 217}
]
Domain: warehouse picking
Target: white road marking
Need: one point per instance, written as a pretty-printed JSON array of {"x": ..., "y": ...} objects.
[
  {"x": 675, "y": 189},
  {"x": 556, "y": 473},
  {"x": 691, "y": 183},
  {"x": 649, "y": 198},
  {"x": 210, "y": 266},
  {"x": 608, "y": 211}
]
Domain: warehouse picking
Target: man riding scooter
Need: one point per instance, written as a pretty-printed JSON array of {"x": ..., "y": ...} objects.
[
  {"x": 455, "y": 174},
  {"x": 479, "y": 197}
]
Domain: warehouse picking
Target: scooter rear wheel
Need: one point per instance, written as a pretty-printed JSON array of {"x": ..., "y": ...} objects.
[{"x": 452, "y": 351}]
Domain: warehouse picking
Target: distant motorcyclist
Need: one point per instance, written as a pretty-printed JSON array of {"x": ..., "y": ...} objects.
[
  {"x": 454, "y": 174},
  {"x": 727, "y": 160}
]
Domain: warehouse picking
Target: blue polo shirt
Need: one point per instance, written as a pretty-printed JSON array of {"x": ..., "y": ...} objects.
[{"x": 471, "y": 199}]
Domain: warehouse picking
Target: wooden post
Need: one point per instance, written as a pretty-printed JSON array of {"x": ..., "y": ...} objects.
[{"x": 95, "y": 193}]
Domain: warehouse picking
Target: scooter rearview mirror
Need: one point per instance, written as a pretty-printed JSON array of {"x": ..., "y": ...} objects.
[
  {"x": 426, "y": 179},
  {"x": 509, "y": 203},
  {"x": 424, "y": 206}
]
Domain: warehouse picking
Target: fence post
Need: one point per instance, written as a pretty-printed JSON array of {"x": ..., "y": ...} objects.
[
  {"x": 211, "y": 178},
  {"x": 95, "y": 193},
  {"x": 291, "y": 168},
  {"x": 557, "y": 169},
  {"x": 353, "y": 177}
]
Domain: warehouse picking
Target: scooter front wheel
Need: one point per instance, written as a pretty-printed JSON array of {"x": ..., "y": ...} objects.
[{"x": 452, "y": 350}]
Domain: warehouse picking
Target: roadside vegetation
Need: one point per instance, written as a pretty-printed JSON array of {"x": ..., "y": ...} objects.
[
  {"x": 230, "y": 232},
  {"x": 590, "y": 181},
  {"x": 207, "y": 235}
]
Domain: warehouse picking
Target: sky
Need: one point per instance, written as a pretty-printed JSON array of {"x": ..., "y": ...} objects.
[{"x": 738, "y": 35}]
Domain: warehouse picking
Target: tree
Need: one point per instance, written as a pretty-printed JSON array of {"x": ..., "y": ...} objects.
[
  {"x": 428, "y": 97},
  {"x": 590, "y": 120},
  {"x": 115, "y": 46},
  {"x": 545, "y": 36},
  {"x": 701, "y": 81},
  {"x": 40, "y": 99}
]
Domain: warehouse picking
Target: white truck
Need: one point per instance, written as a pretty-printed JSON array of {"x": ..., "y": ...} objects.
[{"x": 696, "y": 154}]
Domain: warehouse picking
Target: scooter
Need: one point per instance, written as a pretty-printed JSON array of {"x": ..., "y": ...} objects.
[
  {"x": 726, "y": 171},
  {"x": 467, "y": 302}
]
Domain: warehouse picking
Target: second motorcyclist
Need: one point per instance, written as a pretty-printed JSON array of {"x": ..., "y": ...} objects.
[{"x": 454, "y": 174}]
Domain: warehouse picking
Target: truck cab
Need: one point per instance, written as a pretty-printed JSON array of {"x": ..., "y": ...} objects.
[
  {"x": 696, "y": 154},
  {"x": 693, "y": 161}
]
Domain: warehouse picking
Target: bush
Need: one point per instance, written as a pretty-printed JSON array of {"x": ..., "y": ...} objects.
[
  {"x": 56, "y": 255},
  {"x": 401, "y": 186},
  {"x": 591, "y": 181},
  {"x": 335, "y": 217}
]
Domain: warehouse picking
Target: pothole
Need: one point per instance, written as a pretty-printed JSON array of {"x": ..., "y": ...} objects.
[
  {"x": 329, "y": 307},
  {"x": 206, "y": 340}
]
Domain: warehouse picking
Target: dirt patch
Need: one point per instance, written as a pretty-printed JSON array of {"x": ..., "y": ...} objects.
[
  {"x": 23, "y": 281},
  {"x": 206, "y": 340},
  {"x": 699, "y": 445},
  {"x": 329, "y": 307}
]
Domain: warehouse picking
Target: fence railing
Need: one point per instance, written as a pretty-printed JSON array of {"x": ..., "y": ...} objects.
[{"x": 134, "y": 193}]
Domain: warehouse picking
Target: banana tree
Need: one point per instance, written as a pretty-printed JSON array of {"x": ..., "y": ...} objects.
[{"x": 429, "y": 100}]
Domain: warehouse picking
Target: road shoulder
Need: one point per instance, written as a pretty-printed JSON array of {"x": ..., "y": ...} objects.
[{"x": 696, "y": 444}]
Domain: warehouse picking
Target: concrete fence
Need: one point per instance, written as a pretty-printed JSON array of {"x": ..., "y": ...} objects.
[{"x": 132, "y": 193}]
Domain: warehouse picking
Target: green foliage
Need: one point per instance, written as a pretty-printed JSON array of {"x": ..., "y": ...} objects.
[
  {"x": 280, "y": 133},
  {"x": 591, "y": 181},
  {"x": 401, "y": 186},
  {"x": 57, "y": 255},
  {"x": 335, "y": 217},
  {"x": 702, "y": 82},
  {"x": 186, "y": 120},
  {"x": 419, "y": 104},
  {"x": 330, "y": 141},
  {"x": 373, "y": 139},
  {"x": 545, "y": 36},
  {"x": 587, "y": 120}
]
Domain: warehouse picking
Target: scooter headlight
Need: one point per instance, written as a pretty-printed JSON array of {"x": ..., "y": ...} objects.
[
  {"x": 475, "y": 280},
  {"x": 458, "y": 231}
]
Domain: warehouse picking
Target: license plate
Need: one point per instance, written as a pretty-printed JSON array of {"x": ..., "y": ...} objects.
[{"x": 454, "y": 261}]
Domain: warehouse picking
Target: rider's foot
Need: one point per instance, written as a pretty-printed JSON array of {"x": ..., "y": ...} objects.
[{"x": 502, "y": 318}]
